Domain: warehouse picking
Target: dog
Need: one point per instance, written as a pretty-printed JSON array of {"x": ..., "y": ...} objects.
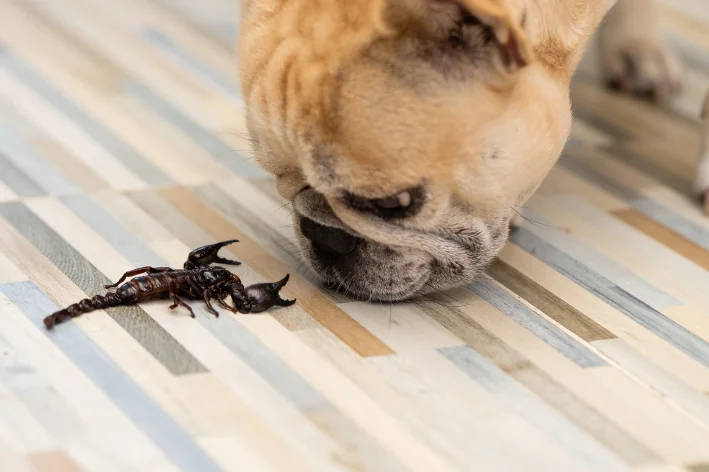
[{"x": 406, "y": 133}]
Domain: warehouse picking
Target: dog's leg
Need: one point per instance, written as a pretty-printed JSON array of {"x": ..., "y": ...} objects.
[
  {"x": 633, "y": 56},
  {"x": 701, "y": 182}
]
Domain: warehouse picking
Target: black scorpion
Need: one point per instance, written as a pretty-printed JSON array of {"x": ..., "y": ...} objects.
[{"x": 197, "y": 280}]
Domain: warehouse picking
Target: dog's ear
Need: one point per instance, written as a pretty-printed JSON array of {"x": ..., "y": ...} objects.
[
  {"x": 515, "y": 48},
  {"x": 504, "y": 25},
  {"x": 508, "y": 32}
]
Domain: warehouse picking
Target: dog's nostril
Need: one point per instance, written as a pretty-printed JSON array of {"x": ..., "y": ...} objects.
[{"x": 326, "y": 238}]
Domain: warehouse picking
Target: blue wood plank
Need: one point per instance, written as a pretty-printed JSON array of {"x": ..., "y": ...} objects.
[
  {"x": 113, "y": 232},
  {"x": 90, "y": 280},
  {"x": 128, "y": 397},
  {"x": 673, "y": 221},
  {"x": 582, "y": 447},
  {"x": 615, "y": 296},
  {"x": 16, "y": 180},
  {"x": 101, "y": 135},
  {"x": 34, "y": 165},
  {"x": 232, "y": 158},
  {"x": 192, "y": 64},
  {"x": 533, "y": 322}
]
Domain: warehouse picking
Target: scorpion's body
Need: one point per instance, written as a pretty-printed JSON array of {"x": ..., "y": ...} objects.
[{"x": 197, "y": 280}]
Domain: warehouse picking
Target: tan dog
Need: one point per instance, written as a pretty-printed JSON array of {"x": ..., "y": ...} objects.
[{"x": 408, "y": 132}]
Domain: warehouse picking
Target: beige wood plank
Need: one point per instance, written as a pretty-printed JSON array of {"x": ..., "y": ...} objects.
[
  {"x": 19, "y": 430},
  {"x": 644, "y": 414},
  {"x": 563, "y": 182},
  {"x": 346, "y": 396},
  {"x": 665, "y": 235},
  {"x": 199, "y": 403},
  {"x": 103, "y": 421},
  {"x": 628, "y": 247},
  {"x": 695, "y": 320},
  {"x": 239, "y": 378},
  {"x": 13, "y": 461},
  {"x": 68, "y": 134},
  {"x": 694, "y": 403},
  {"x": 656, "y": 350},
  {"x": 79, "y": 172},
  {"x": 679, "y": 204},
  {"x": 236, "y": 455},
  {"x": 138, "y": 15},
  {"x": 124, "y": 123},
  {"x": 9, "y": 272},
  {"x": 548, "y": 303},
  {"x": 6, "y": 193},
  {"x": 404, "y": 326},
  {"x": 129, "y": 53},
  {"x": 133, "y": 218},
  {"x": 435, "y": 400},
  {"x": 470, "y": 423},
  {"x": 53, "y": 461}
]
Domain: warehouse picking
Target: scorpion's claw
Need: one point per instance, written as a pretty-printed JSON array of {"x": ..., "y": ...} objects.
[
  {"x": 276, "y": 286},
  {"x": 283, "y": 302},
  {"x": 207, "y": 255},
  {"x": 266, "y": 295}
]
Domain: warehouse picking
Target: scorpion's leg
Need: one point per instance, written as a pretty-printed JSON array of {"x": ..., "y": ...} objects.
[
  {"x": 141, "y": 270},
  {"x": 220, "y": 295},
  {"x": 221, "y": 299},
  {"x": 206, "y": 255},
  {"x": 176, "y": 299},
  {"x": 207, "y": 294},
  {"x": 208, "y": 302}
]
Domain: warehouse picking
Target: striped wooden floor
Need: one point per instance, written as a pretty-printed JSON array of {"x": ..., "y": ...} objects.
[{"x": 585, "y": 348}]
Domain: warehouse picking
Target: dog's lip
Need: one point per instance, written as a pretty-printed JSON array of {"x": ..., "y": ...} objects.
[
  {"x": 403, "y": 294},
  {"x": 319, "y": 209}
]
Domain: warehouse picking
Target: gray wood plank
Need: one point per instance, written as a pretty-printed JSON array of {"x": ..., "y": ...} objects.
[{"x": 90, "y": 280}]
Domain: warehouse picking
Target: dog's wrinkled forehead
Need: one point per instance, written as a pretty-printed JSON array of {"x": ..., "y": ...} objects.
[{"x": 384, "y": 95}]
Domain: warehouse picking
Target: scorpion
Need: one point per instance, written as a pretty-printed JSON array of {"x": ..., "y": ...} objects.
[{"x": 197, "y": 280}]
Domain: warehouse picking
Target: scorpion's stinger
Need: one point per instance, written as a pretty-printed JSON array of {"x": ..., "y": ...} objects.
[{"x": 206, "y": 255}]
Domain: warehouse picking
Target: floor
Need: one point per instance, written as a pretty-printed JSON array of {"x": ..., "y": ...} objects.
[{"x": 585, "y": 348}]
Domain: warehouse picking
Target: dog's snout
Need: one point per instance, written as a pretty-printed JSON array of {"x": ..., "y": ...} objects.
[{"x": 328, "y": 239}]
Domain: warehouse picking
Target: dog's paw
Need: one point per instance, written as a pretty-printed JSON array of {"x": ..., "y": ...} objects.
[
  {"x": 641, "y": 66},
  {"x": 701, "y": 183}
]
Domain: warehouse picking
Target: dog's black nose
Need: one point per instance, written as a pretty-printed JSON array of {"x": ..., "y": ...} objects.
[{"x": 327, "y": 239}]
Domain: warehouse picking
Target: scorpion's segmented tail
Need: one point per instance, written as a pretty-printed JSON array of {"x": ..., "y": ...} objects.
[{"x": 84, "y": 306}]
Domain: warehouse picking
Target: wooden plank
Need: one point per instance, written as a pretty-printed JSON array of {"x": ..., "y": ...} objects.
[
  {"x": 76, "y": 270},
  {"x": 548, "y": 303},
  {"x": 53, "y": 461},
  {"x": 666, "y": 236}
]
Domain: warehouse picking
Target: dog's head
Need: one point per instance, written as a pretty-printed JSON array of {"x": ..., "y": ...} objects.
[{"x": 407, "y": 133}]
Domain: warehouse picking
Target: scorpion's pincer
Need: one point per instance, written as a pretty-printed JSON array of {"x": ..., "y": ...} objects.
[
  {"x": 206, "y": 255},
  {"x": 260, "y": 297}
]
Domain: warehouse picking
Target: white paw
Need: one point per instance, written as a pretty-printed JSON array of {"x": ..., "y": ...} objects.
[
  {"x": 701, "y": 179},
  {"x": 640, "y": 66},
  {"x": 701, "y": 182}
]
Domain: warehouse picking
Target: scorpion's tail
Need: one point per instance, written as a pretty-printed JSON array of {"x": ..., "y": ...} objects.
[{"x": 84, "y": 306}]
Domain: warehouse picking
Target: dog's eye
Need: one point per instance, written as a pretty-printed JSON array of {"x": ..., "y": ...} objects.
[{"x": 403, "y": 204}]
